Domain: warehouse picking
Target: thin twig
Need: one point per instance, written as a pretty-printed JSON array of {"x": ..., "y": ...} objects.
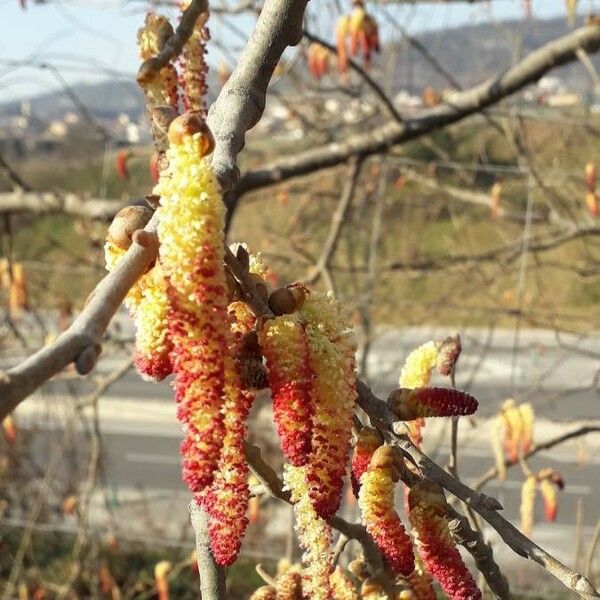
[{"x": 212, "y": 576}]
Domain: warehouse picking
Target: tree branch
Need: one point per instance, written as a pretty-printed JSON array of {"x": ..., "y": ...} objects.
[
  {"x": 53, "y": 202},
  {"x": 212, "y": 576},
  {"x": 242, "y": 99},
  {"x": 493, "y": 472},
  {"x": 459, "y": 106}
]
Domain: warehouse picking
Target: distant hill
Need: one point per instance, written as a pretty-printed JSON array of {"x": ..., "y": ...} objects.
[
  {"x": 470, "y": 54},
  {"x": 104, "y": 99}
]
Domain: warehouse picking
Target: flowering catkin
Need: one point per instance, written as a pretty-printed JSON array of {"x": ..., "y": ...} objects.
[
  {"x": 193, "y": 67},
  {"x": 427, "y": 514},
  {"x": 314, "y": 535},
  {"x": 266, "y": 592},
  {"x": 550, "y": 482},
  {"x": 419, "y": 365},
  {"x": 376, "y": 501},
  {"x": 159, "y": 87},
  {"x": 420, "y": 582},
  {"x": 527, "y": 508},
  {"x": 152, "y": 341},
  {"x": 289, "y": 585},
  {"x": 367, "y": 441},
  {"x": 285, "y": 346},
  {"x": 191, "y": 218},
  {"x": 227, "y": 499},
  {"x": 416, "y": 373},
  {"x": 409, "y": 404},
  {"x": 342, "y": 587},
  {"x": 332, "y": 359},
  {"x": 148, "y": 303}
]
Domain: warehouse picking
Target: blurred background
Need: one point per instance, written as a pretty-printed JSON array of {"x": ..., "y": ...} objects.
[{"x": 487, "y": 228}]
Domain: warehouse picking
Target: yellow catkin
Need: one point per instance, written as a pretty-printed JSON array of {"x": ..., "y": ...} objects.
[
  {"x": 332, "y": 350},
  {"x": 420, "y": 582},
  {"x": 419, "y": 366},
  {"x": 152, "y": 342},
  {"x": 148, "y": 303},
  {"x": 266, "y": 592},
  {"x": 342, "y": 587},
  {"x": 527, "y": 421},
  {"x": 150, "y": 36},
  {"x": 289, "y": 585},
  {"x": 527, "y": 507},
  {"x": 191, "y": 217},
  {"x": 112, "y": 256},
  {"x": 191, "y": 253},
  {"x": 314, "y": 535},
  {"x": 513, "y": 428},
  {"x": 161, "y": 88},
  {"x": 416, "y": 373}
]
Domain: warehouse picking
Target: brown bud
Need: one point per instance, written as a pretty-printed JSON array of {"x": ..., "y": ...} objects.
[
  {"x": 359, "y": 569},
  {"x": 190, "y": 124},
  {"x": 396, "y": 403},
  {"x": 387, "y": 457},
  {"x": 261, "y": 286},
  {"x": 369, "y": 437},
  {"x": 146, "y": 239},
  {"x": 429, "y": 492},
  {"x": 288, "y": 299},
  {"x": 282, "y": 302},
  {"x": 127, "y": 221},
  {"x": 87, "y": 359}
]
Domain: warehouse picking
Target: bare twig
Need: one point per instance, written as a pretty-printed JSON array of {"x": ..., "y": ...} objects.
[
  {"x": 337, "y": 220},
  {"x": 375, "y": 87},
  {"x": 492, "y": 472},
  {"x": 592, "y": 550},
  {"x": 212, "y": 576},
  {"x": 39, "y": 203},
  {"x": 481, "y": 552}
]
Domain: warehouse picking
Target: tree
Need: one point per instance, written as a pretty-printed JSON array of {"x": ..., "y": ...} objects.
[{"x": 157, "y": 268}]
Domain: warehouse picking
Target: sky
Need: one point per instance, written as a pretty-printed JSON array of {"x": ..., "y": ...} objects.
[{"x": 91, "y": 39}]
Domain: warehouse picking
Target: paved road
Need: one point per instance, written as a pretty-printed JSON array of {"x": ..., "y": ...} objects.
[{"x": 141, "y": 436}]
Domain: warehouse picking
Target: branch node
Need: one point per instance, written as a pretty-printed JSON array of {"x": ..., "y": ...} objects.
[{"x": 87, "y": 359}]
